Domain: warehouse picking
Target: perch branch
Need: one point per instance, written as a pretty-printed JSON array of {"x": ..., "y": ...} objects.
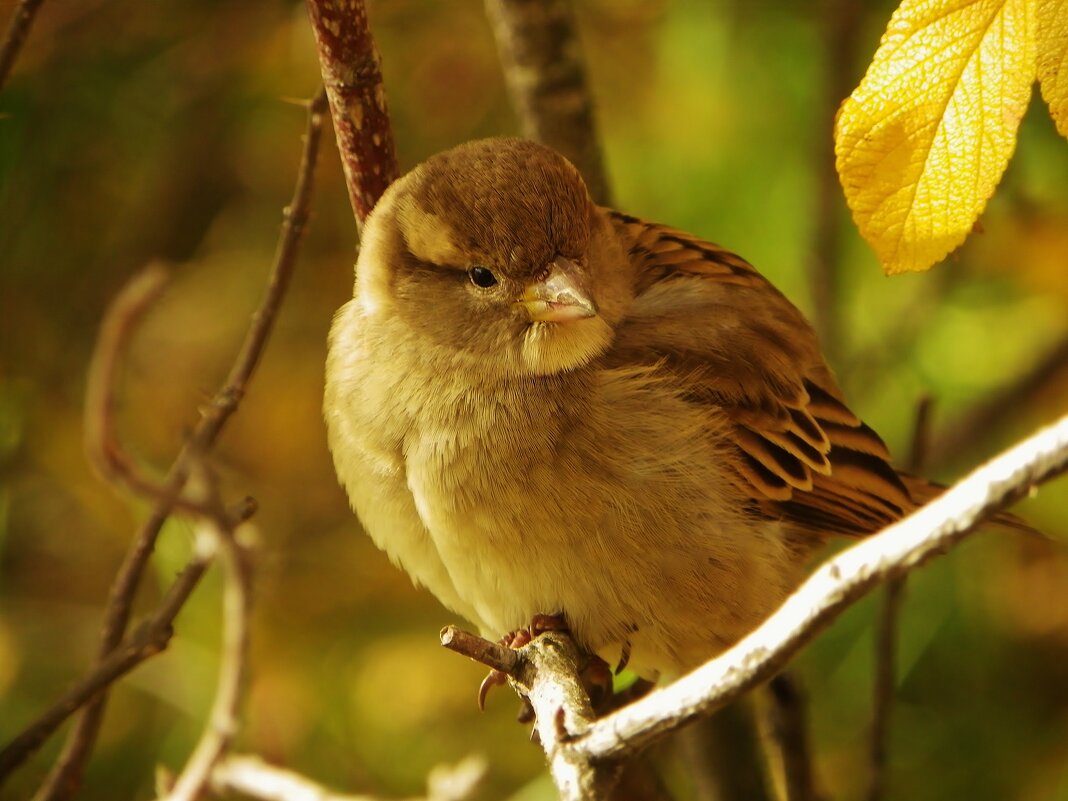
[
  {"x": 583, "y": 753},
  {"x": 906, "y": 544},
  {"x": 66, "y": 775},
  {"x": 542, "y": 57},
  {"x": 352, "y": 75},
  {"x": 15, "y": 36},
  {"x": 486, "y": 652}
]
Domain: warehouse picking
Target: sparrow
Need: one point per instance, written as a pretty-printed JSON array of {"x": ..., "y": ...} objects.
[{"x": 540, "y": 406}]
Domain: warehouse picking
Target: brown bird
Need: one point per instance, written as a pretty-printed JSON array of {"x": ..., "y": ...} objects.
[{"x": 542, "y": 406}]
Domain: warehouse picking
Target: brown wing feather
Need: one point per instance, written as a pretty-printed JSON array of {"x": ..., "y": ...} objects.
[{"x": 802, "y": 455}]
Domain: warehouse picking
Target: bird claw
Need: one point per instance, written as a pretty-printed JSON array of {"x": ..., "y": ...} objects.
[
  {"x": 539, "y": 624},
  {"x": 493, "y": 679}
]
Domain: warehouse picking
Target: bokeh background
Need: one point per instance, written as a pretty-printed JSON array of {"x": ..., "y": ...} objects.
[{"x": 138, "y": 132}]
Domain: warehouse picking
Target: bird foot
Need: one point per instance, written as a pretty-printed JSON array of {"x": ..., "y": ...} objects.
[
  {"x": 594, "y": 673},
  {"x": 539, "y": 624}
]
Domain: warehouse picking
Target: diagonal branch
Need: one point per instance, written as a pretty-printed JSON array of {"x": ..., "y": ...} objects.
[
  {"x": 352, "y": 75},
  {"x": 928, "y": 532},
  {"x": 146, "y": 641},
  {"x": 16, "y": 33},
  {"x": 583, "y": 752},
  {"x": 542, "y": 57},
  {"x": 1000, "y": 405}
]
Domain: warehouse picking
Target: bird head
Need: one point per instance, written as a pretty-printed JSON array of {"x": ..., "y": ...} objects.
[{"x": 495, "y": 252}]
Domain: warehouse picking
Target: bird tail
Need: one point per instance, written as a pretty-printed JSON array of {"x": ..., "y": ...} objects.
[{"x": 924, "y": 491}]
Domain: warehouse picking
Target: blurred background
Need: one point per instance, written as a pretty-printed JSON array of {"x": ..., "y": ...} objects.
[{"x": 139, "y": 132}]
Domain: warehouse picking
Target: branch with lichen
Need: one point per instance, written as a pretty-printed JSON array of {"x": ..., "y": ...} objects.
[{"x": 352, "y": 75}]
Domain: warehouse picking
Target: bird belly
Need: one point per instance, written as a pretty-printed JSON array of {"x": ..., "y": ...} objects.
[{"x": 658, "y": 580}]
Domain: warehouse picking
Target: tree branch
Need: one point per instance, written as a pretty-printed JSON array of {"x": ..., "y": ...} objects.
[
  {"x": 999, "y": 406},
  {"x": 840, "y": 21},
  {"x": 147, "y": 640},
  {"x": 352, "y": 75},
  {"x": 66, "y": 774},
  {"x": 903, "y": 546},
  {"x": 224, "y": 719},
  {"x": 542, "y": 57},
  {"x": 884, "y": 682},
  {"x": 251, "y": 776},
  {"x": 788, "y": 717},
  {"x": 15, "y": 36}
]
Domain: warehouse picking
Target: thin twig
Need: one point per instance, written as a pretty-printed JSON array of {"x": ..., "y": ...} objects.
[
  {"x": 15, "y": 36},
  {"x": 540, "y": 50},
  {"x": 146, "y": 641},
  {"x": 548, "y": 676},
  {"x": 789, "y": 727},
  {"x": 237, "y": 607},
  {"x": 884, "y": 684},
  {"x": 251, "y": 776},
  {"x": 352, "y": 75},
  {"x": 928, "y": 532},
  {"x": 999, "y": 407},
  {"x": 66, "y": 775},
  {"x": 884, "y": 680},
  {"x": 102, "y": 444},
  {"x": 489, "y": 653},
  {"x": 724, "y": 755},
  {"x": 841, "y": 20}
]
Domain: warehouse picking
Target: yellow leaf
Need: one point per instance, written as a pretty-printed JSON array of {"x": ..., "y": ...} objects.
[
  {"x": 1053, "y": 59},
  {"x": 925, "y": 138}
]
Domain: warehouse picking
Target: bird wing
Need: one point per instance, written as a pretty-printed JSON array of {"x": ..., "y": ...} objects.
[{"x": 739, "y": 345}]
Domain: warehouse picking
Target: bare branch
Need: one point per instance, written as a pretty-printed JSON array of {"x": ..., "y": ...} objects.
[
  {"x": 542, "y": 57},
  {"x": 928, "y": 532},
  {"x": 237, "y": 606},
  {"x": 102, "y": 443},
  {"x": 251, "y": 776},
  {"x": 789, "y": 727},
  {"x": 1000, "y": 406},
  {"x": 840, "y": 22},
  {"x": 724, "y": 755},
  {"x": 66, "y": 774},
  {"x": 884, "y": 682},
  {"x": 548, "y": 675},
  {"x": 352, "y": 75},
  {"x": 149, "y": 639},
  {"x": 486, "y": 652},
  {"x": 15, "y": 36}
]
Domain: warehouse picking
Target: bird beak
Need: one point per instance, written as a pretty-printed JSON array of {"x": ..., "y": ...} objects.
[{"x": 560, "y": 296}]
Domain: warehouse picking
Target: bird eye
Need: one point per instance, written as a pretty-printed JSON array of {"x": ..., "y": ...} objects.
[{"x": 482, "y": 277}]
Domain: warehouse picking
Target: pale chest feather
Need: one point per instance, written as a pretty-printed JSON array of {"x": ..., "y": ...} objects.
[{"x": 603, "y": 495}]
